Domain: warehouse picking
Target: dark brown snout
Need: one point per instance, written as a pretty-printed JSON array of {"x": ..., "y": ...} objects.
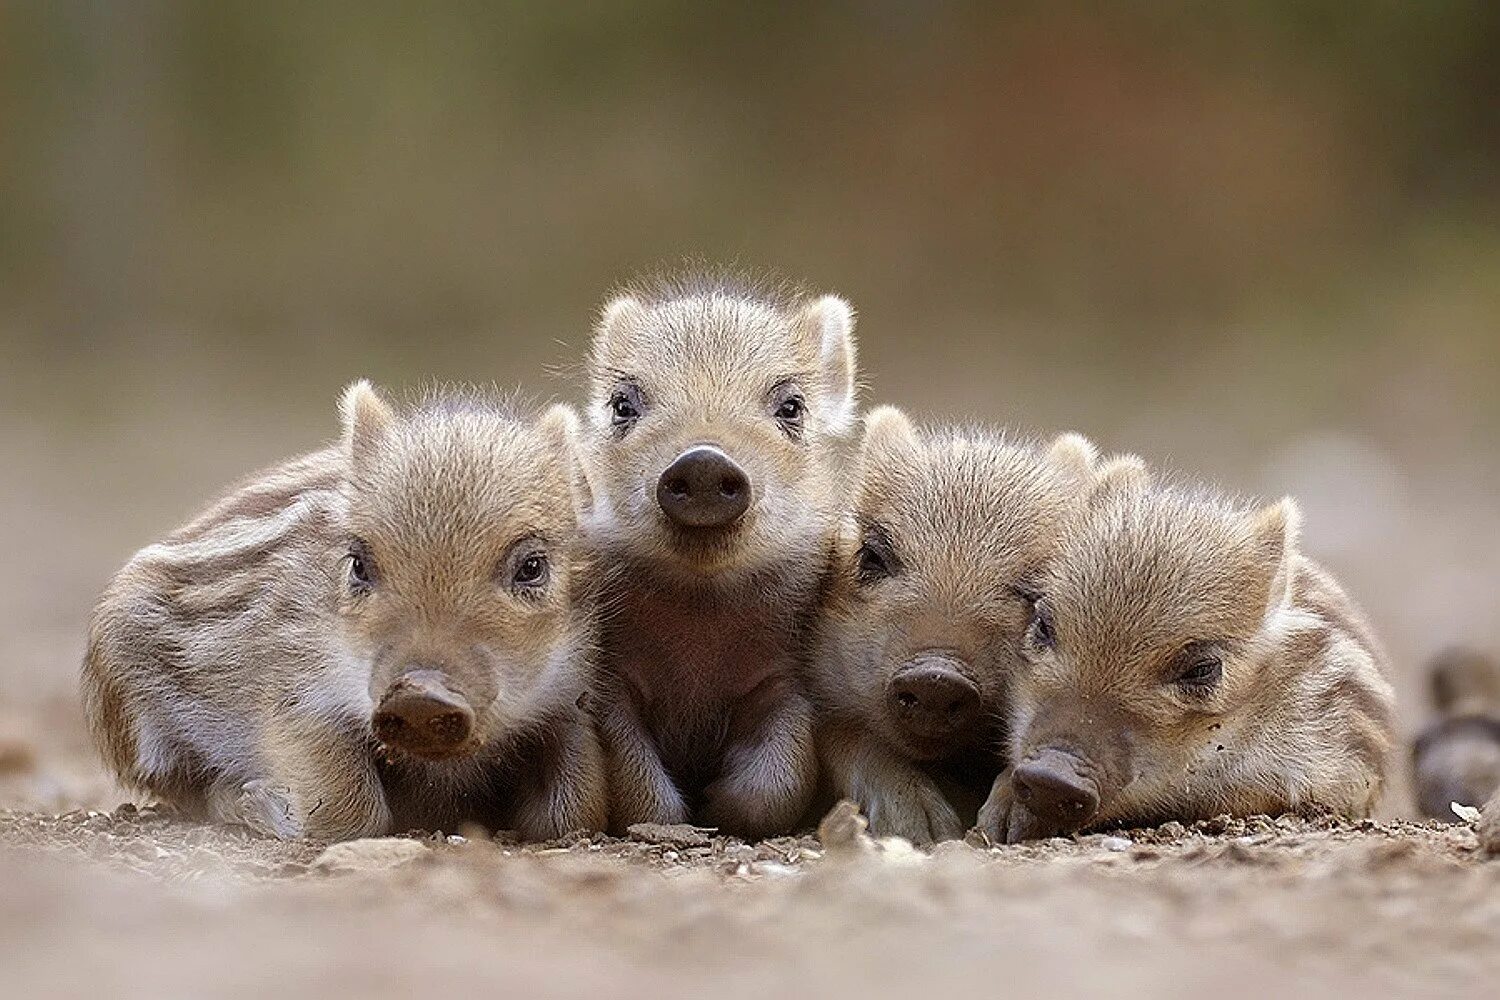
[
  {"x": 421, "y": 715},
  {"x": 704, "y": 488},
  {"x": 1057, "y": 789},
  {"x": 931, "y": 699}
]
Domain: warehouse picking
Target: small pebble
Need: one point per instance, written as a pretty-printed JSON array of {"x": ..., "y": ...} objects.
[{"x": 1116, "y": 843}]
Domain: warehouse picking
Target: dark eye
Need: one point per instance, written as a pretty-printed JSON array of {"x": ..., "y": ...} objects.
[
  {"x": 1043, "y": 632},
  {"x": 532, "y": 571},
  {"x": 875, "y": 560},
  {"x": 871, "y": 564},
  {"x": 1204, "y": 672},
  {"x": 625, "y": 406},
  {"x": 791, "y": 410},
  {"x": 361, "y": 569}
]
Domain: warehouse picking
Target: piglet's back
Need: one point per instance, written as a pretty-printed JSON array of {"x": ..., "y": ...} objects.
[{"x": 183, "y": 638}]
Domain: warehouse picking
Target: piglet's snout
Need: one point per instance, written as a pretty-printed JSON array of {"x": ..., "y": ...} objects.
[
  {"x": 421, "y": 714},
  {"x": 704, "y": 488},
  {"x": 931, "y": 698},
  {"x": 1053, "y": 785}
]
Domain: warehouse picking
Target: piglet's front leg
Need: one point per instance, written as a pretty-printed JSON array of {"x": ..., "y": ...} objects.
[
  {"x": 320, "y": 783},
  {"x": 570, "y": 790},
  {"x": 770, "y": 766},
  {"x": 1003, "y": 819},
  {"x": 640, "y": 789},
  {"x": 899, "y": 799}
]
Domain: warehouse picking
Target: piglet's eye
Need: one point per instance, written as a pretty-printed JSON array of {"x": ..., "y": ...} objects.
[
  {"x": 625, "y": 406},
  {"x": 871, "y": 564},
  {"x": 532, "y": 571},
  {"x": 875, "y": 559},
  {"x": 361, "y": 567},
  {"x": 1204, "y": 672},
  {"x": 621, "y": 408},
  {"x": 1043, "y": 633}
]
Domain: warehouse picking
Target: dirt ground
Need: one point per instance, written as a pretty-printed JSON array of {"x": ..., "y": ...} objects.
[{"x": 135, "y": 902}]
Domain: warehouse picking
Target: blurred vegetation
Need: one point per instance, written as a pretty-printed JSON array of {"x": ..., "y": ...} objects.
[{"x": 272, "y": 184}]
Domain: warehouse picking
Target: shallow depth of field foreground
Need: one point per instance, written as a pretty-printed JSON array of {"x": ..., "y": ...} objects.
[{"x": 133, "y": 904}]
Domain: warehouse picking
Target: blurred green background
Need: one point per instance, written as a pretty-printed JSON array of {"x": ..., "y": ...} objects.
[{"x": 1257, "y": 242}]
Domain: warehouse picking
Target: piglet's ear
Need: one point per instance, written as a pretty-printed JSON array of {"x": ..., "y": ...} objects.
[
  {"x": 1117, "y": 477},
  {"x": 1075, "y": 457},
  {"x": 890, "y": 438},
  {"x": 830, "y": 320},
  {"x": 1276, "y": 530},
  {"x": 618, "y": 317},
  {"x": 559, "y": 428},
  {"x": 367, "y": 419}
]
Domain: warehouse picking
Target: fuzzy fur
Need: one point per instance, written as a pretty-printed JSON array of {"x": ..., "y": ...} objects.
[
  {"x": 704, "y": 716},
  {"x": 970, "y": 519},
  {"x": 231, "y": 669},
  {"x": 1456, "y": 758},
  {"x": 1144, "y": 583}
]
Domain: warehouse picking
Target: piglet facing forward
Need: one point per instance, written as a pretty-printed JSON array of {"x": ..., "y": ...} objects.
[
  {"x": 1183, "y": 661},
  {"x": 390, "y": 633},
  {"x": 924, "y": 614},
  {"x": 717, "y": 410}
]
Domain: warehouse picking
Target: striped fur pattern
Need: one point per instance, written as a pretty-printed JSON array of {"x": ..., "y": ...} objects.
[
  {"x": 962, "y": 521},
  {"x": 705, "y": 717},
  {"x": 232, "y": 668},
  {"x": 1192, "y": 662}
]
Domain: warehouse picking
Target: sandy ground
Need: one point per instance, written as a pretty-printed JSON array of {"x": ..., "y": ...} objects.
[{"x": 135, "y": 902}]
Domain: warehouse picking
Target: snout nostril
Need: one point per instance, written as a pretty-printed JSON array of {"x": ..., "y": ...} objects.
[
  {"x": 703, "y": 488},
  {"x": 907, "y": 700},
  {"x": 386, "y": 724}
]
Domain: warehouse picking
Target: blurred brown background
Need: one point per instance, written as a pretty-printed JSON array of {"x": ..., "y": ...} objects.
[{"x": 1257, "y": 244}]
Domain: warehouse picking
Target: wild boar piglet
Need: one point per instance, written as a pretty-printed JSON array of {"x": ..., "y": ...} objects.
[
  {"x": 925, "y": 609},
  {"x": 1185, "y": 660},
  {"x": 391, "y": 633},
  {"x": 719, "y": 408},
  {"x": 1457, "y": 757}
]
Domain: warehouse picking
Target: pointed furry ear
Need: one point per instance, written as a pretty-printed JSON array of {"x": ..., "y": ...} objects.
[
  {"x": 831, "y": 319},
  {"x": 559, "y": 426},
  {"x": 367, "y": 419},
  {"x": 1117, "y": 476},
  {"x": 1075, "y": 455},
  {"x": 1276, "y": 529},
  {"x": 890, "y": 436},
  {"x": 619, "y": 314}
]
